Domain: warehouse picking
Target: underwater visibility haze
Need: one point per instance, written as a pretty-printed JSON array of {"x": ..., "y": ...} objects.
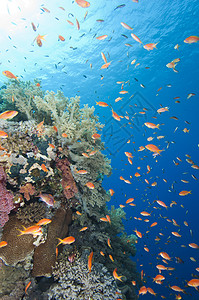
[{"x": 99, "y": 163}]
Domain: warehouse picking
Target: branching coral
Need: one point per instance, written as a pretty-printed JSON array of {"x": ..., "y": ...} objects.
[{"x": 75, "y": 282}]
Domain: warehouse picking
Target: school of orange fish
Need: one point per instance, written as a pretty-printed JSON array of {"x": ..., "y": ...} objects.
[{"x": 156, "y": 205}]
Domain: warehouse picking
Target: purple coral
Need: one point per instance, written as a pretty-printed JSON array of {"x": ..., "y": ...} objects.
[{"x": 6, "y": 199}]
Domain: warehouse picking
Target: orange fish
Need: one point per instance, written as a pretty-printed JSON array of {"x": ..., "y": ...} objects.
[
  {"x": 69, "y": 22},
  {"x": 96, "y": 136},
  {"x": 103, "y": 219},
  {"x": 138, "y": 233},
  {"x": 8, "y": 114},
  {"x": 153, "y": 148},
  {"x": 194, "y": 283},
  {"x": 126, "y": 26},
  {"x": 151, "y": 125},
  {"x": 105, "y": 66},
  {"x": 129, "y": 200},
  {"x": 161, "y": 203},
  {"x": 194, "y": 246},
  {"x": 90, "y": 257},
  {"x": 103, "y": 104},
  {"x": 39, "y": 39},
  {"x": 111, "y": 191},
  {"x": 90, "y": 185},
  {"x": 9, "y": 75},
  {"x": 65, "y": 135},
  {"x": 27, "y": 286},
  {"x": 150, "y": 46},
  {"x": 78, "y": 213},
  {"x": 3, "y": 134},
  {"x": 116, "y": 276},
  {"x": 108, "y": 218},
  {"x": 33, "y": 26},
  {"x": 115, "y": 115},
  {"x": 151, "y": 291},
  {"x": 82, "y": 3},
  {"x": 191, "y": 39},
  {"x": 176, "y": 234},
  {"x": 66, "y": 241},
  {"x": 102, "y": 253},
  {"x": 184, "y": 193},
  {"x": 165, "y": 255},
  {"x": 34, "y": 230},
  {"x": 43, "y": 167},
  {"x": 176, "y": 288},
  {"x": 77, "y": 24},
  {"x": 104, "y": 57},
  {"x": 162, "y": 109},
  {"x": 61, "y": 38},
  {"x": 83, "y": 229},
  {"x": 136, "y": 38},
  {"x": 109, "y": 243},
  {"x": 82, "y": 172},
  {"x": 111, "y": 257},
  {"x": 102, "y": 37},
  {"x": 3, "y": 244},
  {"x": 153, "y": 224},
  {"x": 43, "y": 222},
  {"x": 143, "y": 290},
  {"x": 47, "y": 198}
]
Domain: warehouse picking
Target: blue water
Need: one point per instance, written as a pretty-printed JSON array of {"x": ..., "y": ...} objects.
[{"x": 66, "y": 66}]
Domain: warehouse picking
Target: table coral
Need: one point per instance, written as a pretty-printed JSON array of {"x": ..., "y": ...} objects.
[{"x": 6, "y": 199}]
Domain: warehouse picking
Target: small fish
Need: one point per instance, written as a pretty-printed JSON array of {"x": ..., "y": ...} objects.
[
  {"x": 33, "y": 26},
  {"x": 10, "y": 75},
  {"x": 90, "y": 185},
  {"x": 3, "y": 134},
  {"x": 61, "y": 38},
  {"x": 83, "y": 229},
  {"x": 120, "y": 6},
  {"x": 102, "y": 104},
  {"x": 82, "y": 3},
  {"x": 90, "y": 257},
  {"x": 116, "y": 276},
  {"x": 191, "y": 39},
  {"x": 126, "y": 26},
  {"x": 9, "y": 114},
  {"x": 47, "y": 198},
  {"x": 3, "y": 244},
  {"x": 150, "y": 46},
  {"x": 27, "y": 286},
  {"x": 102, "y": 37},
  {"x": 43, "y": 222},
  {"x": 66, "y": 241}
]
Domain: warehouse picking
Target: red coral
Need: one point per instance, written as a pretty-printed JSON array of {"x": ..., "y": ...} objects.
[
  {"x": 27, "y": 189},
  {"x": 68, "y": 182},
  {"x": 6, "y": 199}
]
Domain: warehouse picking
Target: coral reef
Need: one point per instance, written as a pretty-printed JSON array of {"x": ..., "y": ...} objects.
[
  {"x": 56, "y": 152},
  {"x": 75, "y": 282},
  {"x": 6, "y": 199}
]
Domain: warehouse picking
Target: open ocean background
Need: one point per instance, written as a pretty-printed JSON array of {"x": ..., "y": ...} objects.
[{"x": 66, "y": 66}]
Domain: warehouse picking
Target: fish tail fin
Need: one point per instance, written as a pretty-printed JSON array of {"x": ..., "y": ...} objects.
[
  {"x": 158, "y": 126},
  {"x": 60, "y": 241},
  {"x": 21, "y": 232}
]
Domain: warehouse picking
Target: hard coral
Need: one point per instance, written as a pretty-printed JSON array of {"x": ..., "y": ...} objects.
[
  {"x": 45, "y": 254},
  {"x": 32, "y": 213},
  {"x": 19, "y": 247},
  {"x": 6, "y": 199},
  {"x": 75, "y": 282},
  {"x": 68, "y": 182}
]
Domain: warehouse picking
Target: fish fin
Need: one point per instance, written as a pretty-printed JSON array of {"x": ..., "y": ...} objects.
[{"x": 60, "y": 241}]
